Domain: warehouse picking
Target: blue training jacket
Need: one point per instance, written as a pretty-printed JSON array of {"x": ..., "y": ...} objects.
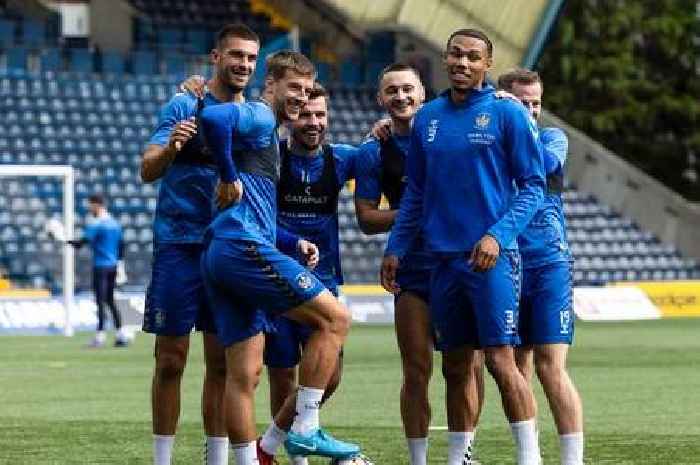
[
  {"x": 246, "y": 134},
  {"x": 475, "y": 168},
  {"x": 544, "y": 240}
]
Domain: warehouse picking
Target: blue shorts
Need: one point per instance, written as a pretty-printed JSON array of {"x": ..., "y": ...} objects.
[
  {"x": 476, "y": 309},
  {"x": 546, "y": 305},
  {"x": 286, "y": 339},
  {"x": 249, "y": 282},
  {"x": 414, "y": 280},
  {"x": 176, "y": 300}
]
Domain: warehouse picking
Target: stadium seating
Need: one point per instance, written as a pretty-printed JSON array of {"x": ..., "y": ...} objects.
[
  {"x": 190, "y": 26},
  {"x": 100, "y": 126}
]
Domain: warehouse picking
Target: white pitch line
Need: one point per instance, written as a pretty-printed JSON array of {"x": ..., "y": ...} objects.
[{"x": 438, "y": 428}]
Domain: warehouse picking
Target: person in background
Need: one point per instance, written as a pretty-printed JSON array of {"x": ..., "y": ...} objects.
[{"x": 104, "y": 235}]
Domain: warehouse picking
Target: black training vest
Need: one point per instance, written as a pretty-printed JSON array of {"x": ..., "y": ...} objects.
[
  {"x": 195, "y": 150},
  {"x": 263, "y": 161},
  {"x": 393, "y": 178},
  {"x": 296, "y": 196}
]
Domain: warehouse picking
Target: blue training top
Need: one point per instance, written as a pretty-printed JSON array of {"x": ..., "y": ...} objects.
[
  {"x": 473, "y": 169},
  {"x": 544, "y": 240},
  {"x": 320, "y": 228},
  {"x": 368, "y": 186},
  {"x": 104, "y": 234},
  {"x": 185, "y": 197},
  {"x": 244, "y": 143}
]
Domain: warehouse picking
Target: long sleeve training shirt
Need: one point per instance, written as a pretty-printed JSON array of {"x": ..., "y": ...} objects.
[{"x": 475, "y": 168}]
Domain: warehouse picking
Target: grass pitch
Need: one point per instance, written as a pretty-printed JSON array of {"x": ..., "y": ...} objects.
[{"x": 62, "y": 404}]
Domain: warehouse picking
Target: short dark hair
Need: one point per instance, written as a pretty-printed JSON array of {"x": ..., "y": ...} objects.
[
  {"x": 518, "y": 75},
  {"x": 96, "y": 198},
  {"x": 238, "y": 30},
  {"x": 395, "y": 67},
  {"x": 318, "y": 91},
  {"x": 475, "y": 33},
  {"x": 278, "y": 63}
]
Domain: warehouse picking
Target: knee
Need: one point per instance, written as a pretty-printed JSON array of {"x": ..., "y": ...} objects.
[
  {"x": 454, "y": 372},
  {"x": 548, "y": 370},
  {"x": 500, "y": 364},
  {"x": 343, "y": 321},
  {"x": 245, "y": 378},
  {"x": 416, "y": 372},
  {"x": 338, "y": 323},
  {"x": 170, "y": 365},
  {"x": 283, "y": 379},
  {"x": 216, "y": 369}
]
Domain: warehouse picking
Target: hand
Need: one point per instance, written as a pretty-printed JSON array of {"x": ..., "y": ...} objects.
[
  {"x": 485, "y": 254},
  {"x": 309, "y": 252},
  {"x": 387, "y": 274},
  {"x": 228, "y": 193},
  {"x": 506, "y": 94},
  {"x": 183, "y": 131},
  {"x": 382, "y": 129},
  {"x": 195, "y": 85}
]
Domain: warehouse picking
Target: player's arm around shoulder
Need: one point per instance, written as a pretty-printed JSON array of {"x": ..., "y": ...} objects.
[
  {"x": 346, "y": 160},
  {"x": 175, "y": 127}
]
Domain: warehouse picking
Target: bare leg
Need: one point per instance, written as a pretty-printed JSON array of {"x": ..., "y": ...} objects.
[
  {"x": 243, "y": 368},
  {"x": 213, "y": 407},
  {"x": 331, "y": 322},
  {"x": 564, "y": 400},
  {"x": 412, "y": 323},
  {"x": 170, "y": 357}
]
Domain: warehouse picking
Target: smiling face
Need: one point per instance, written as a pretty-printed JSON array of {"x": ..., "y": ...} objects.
[
  {"x": 466, "y": 60},
  {"x": 234, "y": 59},
  {"x": 309, "y": 130},
  {"x": 530, "y": 95},
  {"x": 401, "y": 94},
  {"x": 290, "y": 94}
]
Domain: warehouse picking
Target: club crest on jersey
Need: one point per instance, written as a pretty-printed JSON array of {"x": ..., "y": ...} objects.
[
  {"x": 304, "y": 281},
  {"x": 432, "y": 130},
  {"x": 482, "y": 121}
]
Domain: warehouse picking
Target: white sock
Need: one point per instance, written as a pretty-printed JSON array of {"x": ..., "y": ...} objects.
[
  {"x": 162, "y": 449},
  {"x": 308, "y": 404},
  {"x": 571, "y": 448},
  {"x": 525, "y": 435},
  {"x": 122, "y": 334},
  {"x": 469, "y": 446},
  {"x": 100, "y": 337},
  {"x": 417, "y": 451},
  {"x": 456, "y": 445},
  {"x": 299, "y": 460},
  {"x": 272, "y": 439},
  {"x": 217, "y": 450},
  {"x": 245, "y": 453}
]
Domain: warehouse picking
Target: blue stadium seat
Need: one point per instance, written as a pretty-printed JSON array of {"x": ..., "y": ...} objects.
[
  {"x": 197, "y": 41},
  {"x": 144, "y": 63},
  {"x": 17, "y": 59},
  {"x": 33, "y": 33},
  {"x": 7, "y": 32},
  {"x": 351, "y": 72},
  {"x": 113, "y": 62},
  {"x": 174, "y": 64},
  {"x": 51, "y": 60},
  {"x": 168, "y": 37},
  {"x": 80, "y": 60}
]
